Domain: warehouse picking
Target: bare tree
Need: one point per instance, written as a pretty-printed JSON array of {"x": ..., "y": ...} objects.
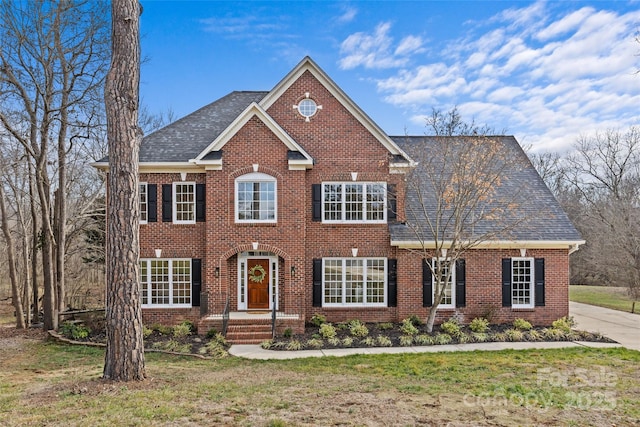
[
  {"x": 11, "y": 258},
  {"x": 52, "y": 65},
  {"x": 604, "y": 173},
  {"x": 457, "y": 189},
  {"x": 124, "y": 358}
]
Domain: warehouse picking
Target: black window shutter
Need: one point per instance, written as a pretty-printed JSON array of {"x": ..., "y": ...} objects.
[
  {"x": 200, "y": 202},
  {"x": 506, "y": 282},
  {"x": 167, "y": 202},
  {"x": 196, "y": 281},
  {"x": 392, "y": 283},
  {"x": 317, "y": 283},
  {"x": 316, "y": 198},
  {"x": 152, "y": 203},
  {"x": 461, "y": 292},
  {"x": 427, "y": 284},
  {"x": 539, "y": 285},
  {"x": 392, "y": 202}
]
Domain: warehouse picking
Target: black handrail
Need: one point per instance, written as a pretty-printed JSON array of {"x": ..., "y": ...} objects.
[
  {"x": 225, "y": 318},
  {"x": 273, "y": 319}
]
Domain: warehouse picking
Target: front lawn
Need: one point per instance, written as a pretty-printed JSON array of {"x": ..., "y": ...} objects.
[
  {"x": 616, "y": 298},
  {"x": 43, "y": 383}
]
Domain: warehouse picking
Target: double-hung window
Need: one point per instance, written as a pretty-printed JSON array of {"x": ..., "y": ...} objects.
[
  {"x": 144, "y": 203},
  {"x": 354, "y": 282},
  {"x": 184, "y": 202},
  {"x": 442, "y": 268},
  {"x": 165, "y": 282},
  {"x": 522, "y": 282},
  {"x": 256, "y": 198},
  {"x": 354, "y": 202}
]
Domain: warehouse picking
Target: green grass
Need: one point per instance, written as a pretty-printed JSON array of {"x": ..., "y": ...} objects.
[
  {"x": 52, "y": 384},
  {"x": 602, "y": 296}
]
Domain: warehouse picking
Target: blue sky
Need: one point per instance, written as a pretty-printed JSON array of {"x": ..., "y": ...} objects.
[{"x": 545, "y": 72}]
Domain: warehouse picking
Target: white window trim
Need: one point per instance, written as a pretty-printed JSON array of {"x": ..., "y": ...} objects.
[
  {"x": 148, "y": 282},
  {"x": 256, "y": 177},
  {"x": 364, "y": 302},
  {"x": 343, "y": 210},
  {"x": 243, "y": 287},
  {"x": 531, "y": 283},
  {"x": 175, "y": 203},
  {"x": 146, "y": 204},
  {"x": 452, "y": 267}
]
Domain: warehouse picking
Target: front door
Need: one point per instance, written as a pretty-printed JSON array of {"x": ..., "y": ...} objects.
[{"x": 258, "y": 283}]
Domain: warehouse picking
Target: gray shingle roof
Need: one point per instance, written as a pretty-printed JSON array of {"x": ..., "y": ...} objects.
[
  {"x": 184, "y": 139},
  {"x": 539, "y": 214}
]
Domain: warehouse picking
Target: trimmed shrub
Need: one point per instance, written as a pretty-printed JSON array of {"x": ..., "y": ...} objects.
[
  {"x": 181, "y": 330},
  {"x": 451, "y": 327},
  {"x": 294, "y": 345},
  {"x": 564, "y": 324},
  {"x": 383, "y": 341},
  {"x": 318, "y": 319},
  {"x": 368, "y": 341},
  {"x": 347, "y": 341},
  {"x": 358, "y": 329},
  {"x": 408, "y": 327},
  {"x": 480, "y": 336},
  {"x": 514, "y": 335},
  {"x": 406, "y": 340},
  {"x": 315, "y": 343},
  {"x": 385, "y": 326},
  {"x": 522, "y": 325},
  {"x": 479, "y": 325},
  {"x": 423, "y": 339},
  {"x": 327, "y": 331},
  {"x": 442, "y": 339},
  {"x": 415, "y": 319}
]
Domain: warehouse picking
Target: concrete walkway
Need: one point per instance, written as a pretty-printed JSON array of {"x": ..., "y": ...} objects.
[
  {"x": 256, "y": 352},
  {"x": 617, "y": 325}
]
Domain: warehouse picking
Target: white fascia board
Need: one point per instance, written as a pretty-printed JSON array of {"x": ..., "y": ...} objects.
[
  {"x": 572, "y": 245},
  {"x": 307, "y": 64},
  {"x": 253, "y": 110},
  {"x": 157, "y": 167}
]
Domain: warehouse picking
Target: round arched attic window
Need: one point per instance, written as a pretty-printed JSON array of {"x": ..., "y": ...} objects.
[{"x": 307, "y": 107}]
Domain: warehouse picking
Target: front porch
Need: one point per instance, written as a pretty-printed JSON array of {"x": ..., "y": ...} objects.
[{"x": 251, "y": 327}]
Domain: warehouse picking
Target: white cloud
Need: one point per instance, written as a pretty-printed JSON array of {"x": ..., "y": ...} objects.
[
  {"x": 545, "y": 75},
  {"x": 348, "y": 15},
  {"x": 376, "y": 50}
]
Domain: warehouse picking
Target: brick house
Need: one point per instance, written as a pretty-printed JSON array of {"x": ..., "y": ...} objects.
[{"x": 294, "y": 199}]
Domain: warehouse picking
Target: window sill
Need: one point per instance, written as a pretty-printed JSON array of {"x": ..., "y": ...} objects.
[
  {"x": 256, "y": 224},
  {"x": 523, "y": 309},
  {"x": 356, "y": 307}
]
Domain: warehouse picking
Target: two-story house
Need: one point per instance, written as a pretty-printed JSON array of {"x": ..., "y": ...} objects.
[{"x": 295, "y": 200}]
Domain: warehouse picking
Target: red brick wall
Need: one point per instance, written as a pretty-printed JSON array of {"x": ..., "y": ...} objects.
[
  {"x": 339, "y": 145},
  {"x": 484, "y": 288}
]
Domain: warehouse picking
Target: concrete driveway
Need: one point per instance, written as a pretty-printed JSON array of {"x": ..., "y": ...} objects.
[{"x": 617, "y": 325}]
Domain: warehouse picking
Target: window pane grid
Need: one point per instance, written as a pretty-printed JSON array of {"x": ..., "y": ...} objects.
[
  {"x": 354, "y": 202},
  {"x": 333, "y": 281},
  {"x": 159, "y": 282},
  {"x": 143, "y": 202},
  {"x": 256, "y": 201},
  {"x": 165, "y": 282},
  {"x": 185, "y": 202},
  {"x": 521, "y": 281},
  {"x": 354, "y": 281}
]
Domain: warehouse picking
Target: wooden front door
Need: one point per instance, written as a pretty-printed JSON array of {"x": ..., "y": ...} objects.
[{"x": 258, "y": 283}]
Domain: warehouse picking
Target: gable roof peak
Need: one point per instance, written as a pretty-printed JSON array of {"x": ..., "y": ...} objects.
[{"x": 308, "y": 64}]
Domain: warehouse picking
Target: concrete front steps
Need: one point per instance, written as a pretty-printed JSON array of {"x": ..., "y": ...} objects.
[{"x": 248, "y": 331}]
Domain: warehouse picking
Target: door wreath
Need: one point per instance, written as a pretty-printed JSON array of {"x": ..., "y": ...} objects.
[{"x": 257, "y": 273}]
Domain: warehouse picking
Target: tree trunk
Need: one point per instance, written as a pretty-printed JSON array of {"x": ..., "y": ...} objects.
[
  {"x": 15, "y": 292},
  {"x": 35, "y": 314},
  {"x": 124, "y": 358}
]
